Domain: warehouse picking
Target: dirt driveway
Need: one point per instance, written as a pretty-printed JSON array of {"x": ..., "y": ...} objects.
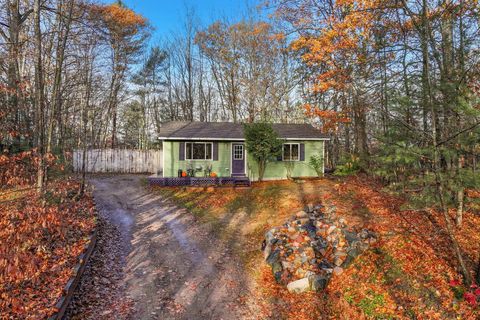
[{"x": 154, "y": 261}]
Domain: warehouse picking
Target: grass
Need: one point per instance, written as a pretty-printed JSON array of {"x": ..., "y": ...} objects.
[{"x": 371, "y": 303}]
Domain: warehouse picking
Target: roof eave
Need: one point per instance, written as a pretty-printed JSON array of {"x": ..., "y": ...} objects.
[{"x": 235, "y": 139}]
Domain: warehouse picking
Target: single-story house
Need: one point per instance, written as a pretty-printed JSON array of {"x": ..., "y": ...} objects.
[{"x": 201, "y": 148}]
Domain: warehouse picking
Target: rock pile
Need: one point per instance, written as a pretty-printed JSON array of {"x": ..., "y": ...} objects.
[{"x": 311, "y": 246}]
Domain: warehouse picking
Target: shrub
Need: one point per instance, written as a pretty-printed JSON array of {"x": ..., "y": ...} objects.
[
  {"x": 262, "y": 143},
  {"x": 348, "y": 167},
  {"x": 316, "y": 162}
]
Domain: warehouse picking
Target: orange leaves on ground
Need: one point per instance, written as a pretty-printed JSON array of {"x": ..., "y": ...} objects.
[
  {"x": 275, "y": 302},
  {"x": 414, "y": 254},
  {"x": 19, "y": 170},
  {"x": 474, "y": 194},
  {"x": 407, "y": 272},
  {"x": 39, "y": 246}
]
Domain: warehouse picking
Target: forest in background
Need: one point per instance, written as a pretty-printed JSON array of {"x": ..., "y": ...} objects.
[{"x": 395, "y": 83}]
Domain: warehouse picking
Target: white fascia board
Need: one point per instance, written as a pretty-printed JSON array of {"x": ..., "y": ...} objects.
[
  {"x": 237, "y": 139},
  {"x": 200, "y": 139},
  {"x": 306, "y": 139}
]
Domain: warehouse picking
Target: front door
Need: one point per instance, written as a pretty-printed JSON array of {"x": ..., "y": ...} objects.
[{"x": 238, "y": 159}]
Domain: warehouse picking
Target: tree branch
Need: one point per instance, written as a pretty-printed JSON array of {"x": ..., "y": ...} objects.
[{"x": 457, "y": 134}]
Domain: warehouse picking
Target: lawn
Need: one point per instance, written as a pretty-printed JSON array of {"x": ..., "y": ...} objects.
[{"x": 410, "y": 273}]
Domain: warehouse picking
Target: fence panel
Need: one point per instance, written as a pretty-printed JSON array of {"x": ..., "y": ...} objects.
[{"x": 118, "y": 160}]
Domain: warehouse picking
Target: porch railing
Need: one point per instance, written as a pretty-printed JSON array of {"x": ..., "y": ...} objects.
[{"x": 198, "y": 181}]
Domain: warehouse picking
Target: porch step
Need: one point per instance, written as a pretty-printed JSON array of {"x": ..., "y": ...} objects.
[{"x": 242, "y": 182}]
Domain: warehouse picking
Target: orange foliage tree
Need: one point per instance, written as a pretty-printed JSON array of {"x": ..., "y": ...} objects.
[
  {"x": 126, "y": 32},
  {"x": 335, "y": 43}
]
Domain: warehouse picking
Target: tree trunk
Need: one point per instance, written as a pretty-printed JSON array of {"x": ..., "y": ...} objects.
[
  {"x": 39, "y": 97},
  {"x": 440, "y": 191},
  {"x": 261, "y": 169},
  {"x": 15, "y": 96},
  {"x": 425, "y": 65},
  {"x": 477, "y": 276},
  {"x": 460, "y": 197},
  {"x": 57, "y": 83},
  {"x": 459, "y": 216}
]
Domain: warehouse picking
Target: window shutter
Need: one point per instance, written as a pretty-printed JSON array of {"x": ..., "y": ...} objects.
[
  {"x": 215, "y": 151},
  {"x": 181, "y": 155},
  {"x": 302, "y": 152}
]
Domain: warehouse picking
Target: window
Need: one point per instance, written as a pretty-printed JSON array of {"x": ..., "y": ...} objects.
[
  {"x": 238, "y": 152},
  {"x": 291, "y": 152},
  {"x": 198, "y": 151}
]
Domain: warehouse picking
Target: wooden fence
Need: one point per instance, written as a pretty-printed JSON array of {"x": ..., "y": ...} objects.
[{"x": 119, "y": 161}]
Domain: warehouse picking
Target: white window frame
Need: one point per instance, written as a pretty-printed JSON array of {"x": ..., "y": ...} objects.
[
  {"x": 205, "y": 146},
  {"x": 243, "y": 152},
  {"x": 290, "y": 144}
]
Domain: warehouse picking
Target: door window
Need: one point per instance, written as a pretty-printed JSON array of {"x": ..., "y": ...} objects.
[{"x": 238, "y": 152}]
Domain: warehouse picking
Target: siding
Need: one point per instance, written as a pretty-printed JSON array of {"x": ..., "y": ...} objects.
[
  {"x": 275, "y": 169},
  {"x": 173, "y": 163},
  {"x": 278, "y": 169}
]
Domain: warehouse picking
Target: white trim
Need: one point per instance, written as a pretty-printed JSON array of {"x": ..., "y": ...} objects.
[
  {"x": 231, "y": 162},
  {"x": 324, "y": 160},
  {"x": 242, "y": 153},
  {"x": 245, "y": 156},
  {"x": 236, "y": 139},
  {"x": 163, "y": 159},
  {"x": 200, "y": 139},
  {"x": 205, "y": 144},
  {"x": 283, "y": 159}
]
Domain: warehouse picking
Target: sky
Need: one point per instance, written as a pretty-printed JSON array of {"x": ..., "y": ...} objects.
[{"x": 168, "y": 16}]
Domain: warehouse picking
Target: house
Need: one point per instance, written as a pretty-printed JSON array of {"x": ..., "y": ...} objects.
[{"x": 201, "y": 148}]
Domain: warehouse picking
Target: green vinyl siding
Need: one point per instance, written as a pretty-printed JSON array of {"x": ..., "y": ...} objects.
[
  {"x": 172, "y": 162},
  {"x": 278, "y": 169},
  {"x": 275, "y": 169}
]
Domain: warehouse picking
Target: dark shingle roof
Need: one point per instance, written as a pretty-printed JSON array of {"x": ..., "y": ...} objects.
[{"x": 177, "y": 130}]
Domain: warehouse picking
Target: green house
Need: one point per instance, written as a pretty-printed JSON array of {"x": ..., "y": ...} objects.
[{"x": 206, "y": 149}]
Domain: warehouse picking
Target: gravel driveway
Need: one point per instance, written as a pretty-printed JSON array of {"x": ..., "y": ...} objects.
[{"x": 153, "y": 260}]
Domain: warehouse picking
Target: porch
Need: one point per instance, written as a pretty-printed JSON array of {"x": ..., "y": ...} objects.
[{"x": 240, "y": 181}]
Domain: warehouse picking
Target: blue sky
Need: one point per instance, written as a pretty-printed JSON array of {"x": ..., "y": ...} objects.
[{"x": 167, "y": 16}]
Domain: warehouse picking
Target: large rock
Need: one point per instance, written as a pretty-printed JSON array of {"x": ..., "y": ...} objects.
[
  {"x": 309, "y": 208},
  {"x": 337, "y": 271},
  {"x": 301, "y": 214},
  {"x": 299, "y": 286},
  {"x": 277, "y": 270},
  {"x": 312, "y": 246},
  {"x": 273, "y": 257},
  {"x": 318, "y": 282}
]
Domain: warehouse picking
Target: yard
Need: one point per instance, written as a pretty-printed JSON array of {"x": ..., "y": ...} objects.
[
  {"x": 41, "y": 238},
  {"x": 384, "y": 95},
  {"x": 410, "y": 272}
]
